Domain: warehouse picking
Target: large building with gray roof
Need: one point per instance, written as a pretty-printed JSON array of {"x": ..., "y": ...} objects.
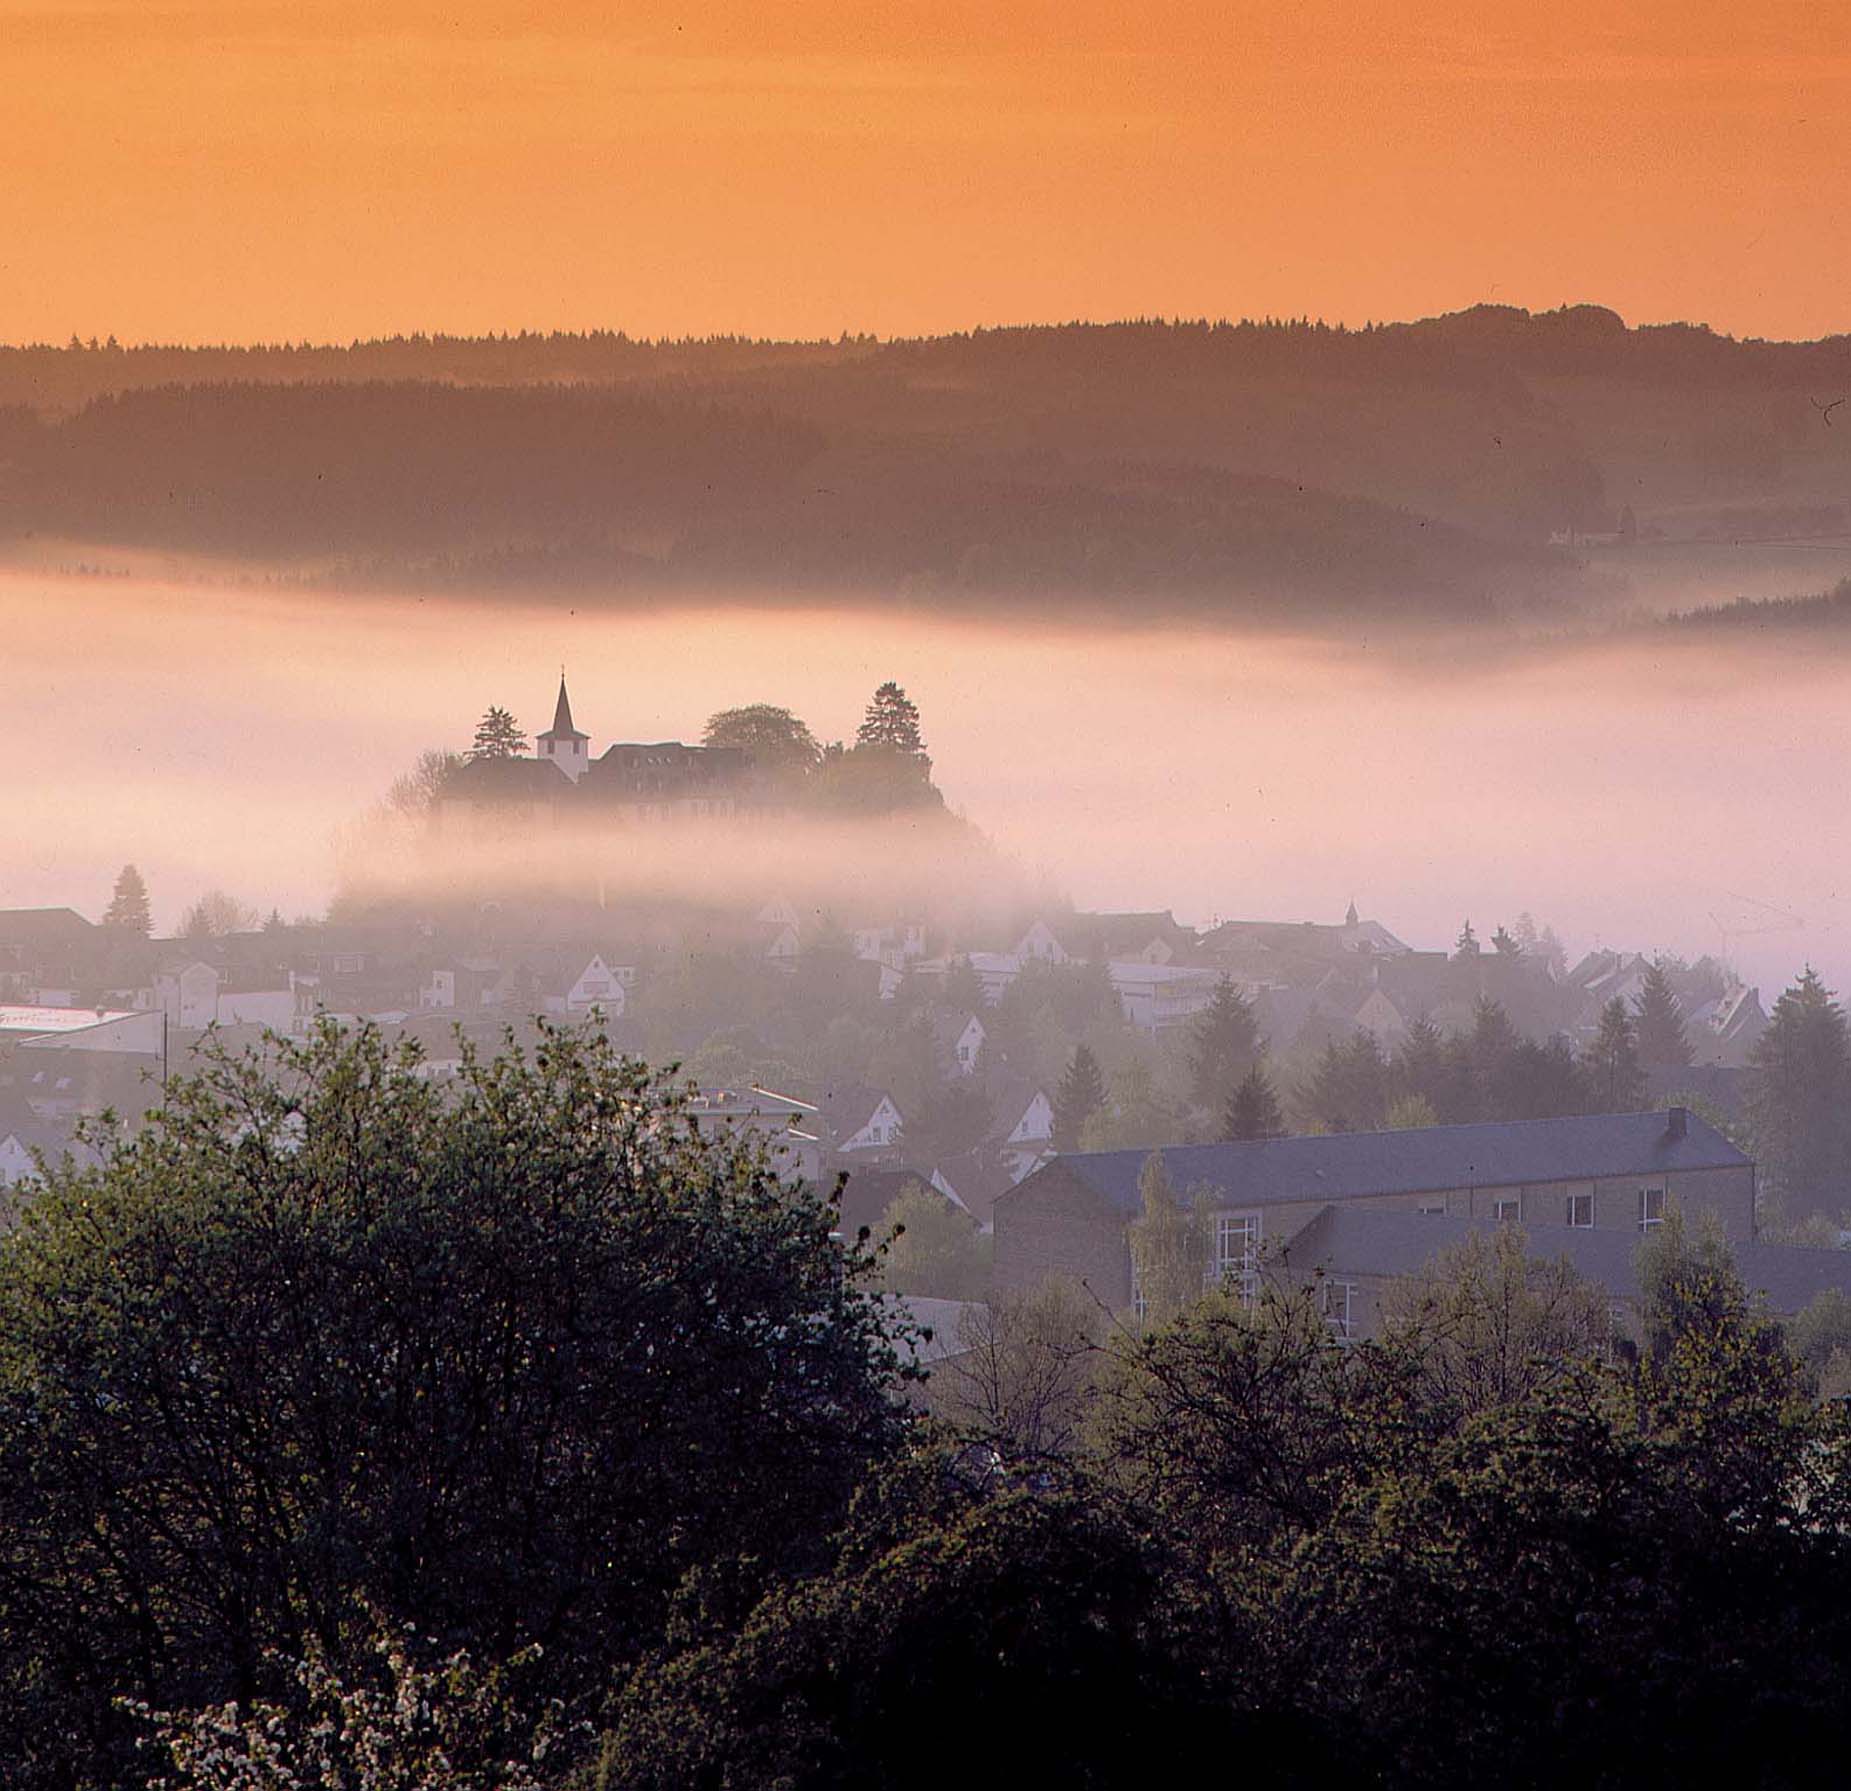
[{"x": 1592, "y": 1185}]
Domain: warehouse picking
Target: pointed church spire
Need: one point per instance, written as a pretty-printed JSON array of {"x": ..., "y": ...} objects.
[
  {"x": 562, "y": 728},
  {"x": 563, "y": 743}
]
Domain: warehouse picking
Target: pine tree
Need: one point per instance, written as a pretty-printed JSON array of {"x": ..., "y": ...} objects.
[
  {"x": 128, "y": 905},
  {"x": 891, "y": 722},
  {"x": 1615, "y": 1077},
  {"x": 963, "y": 987},
  {"x": 1466, "y": 946},
  {"x": 1659, "y": 1022},
  {"x": 1081, "y": 1094},
  {"x": 1349, "y": 1089},
  {"x": 1254, "y": 1112},
  {"x": 498, "y": 736},
  {"x": 1506, "y": 944},
  {"x": 1417, "y": 1071},
  {"x": 1797, "y": 1096},
  {"x": 1227, "y": 1040}
]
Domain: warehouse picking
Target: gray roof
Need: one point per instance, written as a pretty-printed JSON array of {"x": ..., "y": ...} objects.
[
  {"x": 1372, "y": 1241},
  {"x": 1350, "y": 1165}
]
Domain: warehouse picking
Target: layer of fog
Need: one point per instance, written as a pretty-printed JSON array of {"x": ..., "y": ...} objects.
[{"x": 1655, "y": 793}]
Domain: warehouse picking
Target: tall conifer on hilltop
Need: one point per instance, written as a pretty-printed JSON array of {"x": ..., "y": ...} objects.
[
  {"x": 128, "y": 905},
  {"x": 1254, "y": 1111},
  {"x": 1659, "y": 1018},
  {"x": 498, "y": 736},
  {"x": 1227, "y": 1040},
  {"x": 1615, "y": 1076},
  {"x": 1081, "y": 1094},
  {"x": 1798, "y": 1098}
]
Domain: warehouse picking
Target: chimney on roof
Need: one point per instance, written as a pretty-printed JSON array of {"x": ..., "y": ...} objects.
[{"x": 1677, "y": 1122}]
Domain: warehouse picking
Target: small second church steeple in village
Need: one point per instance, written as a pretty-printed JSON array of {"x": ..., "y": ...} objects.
[{"x": 562, "y": 742}]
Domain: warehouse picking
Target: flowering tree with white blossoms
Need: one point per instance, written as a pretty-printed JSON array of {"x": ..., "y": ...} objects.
[{"x": 448, "y": 1728}]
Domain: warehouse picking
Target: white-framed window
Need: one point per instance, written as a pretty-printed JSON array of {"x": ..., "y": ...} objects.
[
  {"x": 1433, "y": 1207},
  {"x": 1237, "y": 1253},
  {"x": 1140, "y": 1306},
  {"x": 1507, "y": 1209},
  {"x": 1338, "y": 1299},
  {"x": 1651, "y": 1208},
  {"x": 1581, "y": 1211}
]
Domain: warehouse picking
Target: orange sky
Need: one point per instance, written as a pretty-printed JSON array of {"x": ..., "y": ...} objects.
[{"x": 240, "y": 169}]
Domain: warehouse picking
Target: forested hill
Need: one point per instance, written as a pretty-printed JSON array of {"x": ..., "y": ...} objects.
[{"x": 1245, "y": 467}]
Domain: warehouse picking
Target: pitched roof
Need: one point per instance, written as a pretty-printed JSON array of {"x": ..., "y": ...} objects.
[
  {"x": 1349, "y": 1165},
  {"x": 562, "y": 728},
  {"x": 508, "y": 779},
  {"x": 43, "y": 926},
  {"x": 1371, "y": 1241}
]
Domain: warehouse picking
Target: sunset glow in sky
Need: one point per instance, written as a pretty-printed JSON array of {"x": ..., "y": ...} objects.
[{"x": 247, "y": 169}]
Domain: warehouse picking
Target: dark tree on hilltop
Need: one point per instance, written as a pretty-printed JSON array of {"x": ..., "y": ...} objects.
[
  {"x": 1799, "y": 1098},
  {"x": 1226, "y": 1041},
  {"x": 128, "y": 905},
  {"x": 1349, "y": 1089},
  {"x": 498, "y": 736},
  {"x": 1466, "y": 946},
  {"x": 1615, "y": 1077},
  {"x": 1417, "y": 1071},
  {"x": 1659, "y": 1018},
  {"x": 1254, "y": 1112},
  {"x": 774, "y": 738},
  {"x": 891, "y": 723},
  {"x": 963, "y": 987},
  {"x": 1081, "y": 1094},
  {"x": 952, "y": 1120},
  {"x": 1505, "y": 944}
]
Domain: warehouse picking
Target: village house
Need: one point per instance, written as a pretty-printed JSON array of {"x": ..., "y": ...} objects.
[
  {"x": 1611, "y": 1173},
  {"x": 781, "y": 1124},
  {"x": 562, "y": 781},
  {"x": 862, "y": 1121}
]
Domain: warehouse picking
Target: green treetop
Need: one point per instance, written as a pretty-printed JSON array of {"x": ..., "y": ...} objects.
[
  {"x": 498, "y": 736},
  {"x": 128, "y": 905},
  {"x": 1081, "y": 1094},
  {"x": 1615, "y": 1076},
  {"x": 1663, "y": 1043},
  {"x": 1253, "y": 1113},
  {"x": 1225, "y": 1042}
]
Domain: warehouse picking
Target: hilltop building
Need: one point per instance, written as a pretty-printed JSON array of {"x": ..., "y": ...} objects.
[{"x": 563, "y": 781}]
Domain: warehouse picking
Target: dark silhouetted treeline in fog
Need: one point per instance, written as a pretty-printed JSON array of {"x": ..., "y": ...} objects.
[{"x": 1249, "y": 467}]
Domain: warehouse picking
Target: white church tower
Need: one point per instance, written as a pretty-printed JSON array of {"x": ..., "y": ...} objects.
[{"x": 562, "y": 742}]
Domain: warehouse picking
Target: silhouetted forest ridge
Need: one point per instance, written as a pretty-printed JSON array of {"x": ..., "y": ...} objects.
[{"x": 1258, "y": 463}]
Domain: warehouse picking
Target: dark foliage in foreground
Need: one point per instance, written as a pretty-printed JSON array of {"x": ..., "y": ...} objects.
[
  {"x": 521, "y": 1359},
  {"x": 503, "y": 1357}
]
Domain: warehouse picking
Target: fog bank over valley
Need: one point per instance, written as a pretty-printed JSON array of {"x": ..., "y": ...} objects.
[{"x": 1659, "y": 789}]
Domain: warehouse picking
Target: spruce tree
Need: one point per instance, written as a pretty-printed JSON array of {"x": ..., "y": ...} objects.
[
  {"x": 498, "y": 736},
  {"x": 128, "y": 905},
  {"x": 1466, "y": 946},
  {"x": 891, "y": 723},
  {"x": 963, "y": 987},
  {"x": 1659, "y": 1022},
  {"x": 1226, "y": 1042},
  {"x": 1254, "y": 1112},
  {"x": 1081, "y": 1094},
  {"x": 1798, "y": 1094},
  {"x": 1418, "y": 1069},
  {"x": 1349, "y": 1088},
  {"x": 1615, "y": 1076}
]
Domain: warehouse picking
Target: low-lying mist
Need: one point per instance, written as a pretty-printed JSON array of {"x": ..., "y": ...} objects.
[{"x": 1662, "y": 789}]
